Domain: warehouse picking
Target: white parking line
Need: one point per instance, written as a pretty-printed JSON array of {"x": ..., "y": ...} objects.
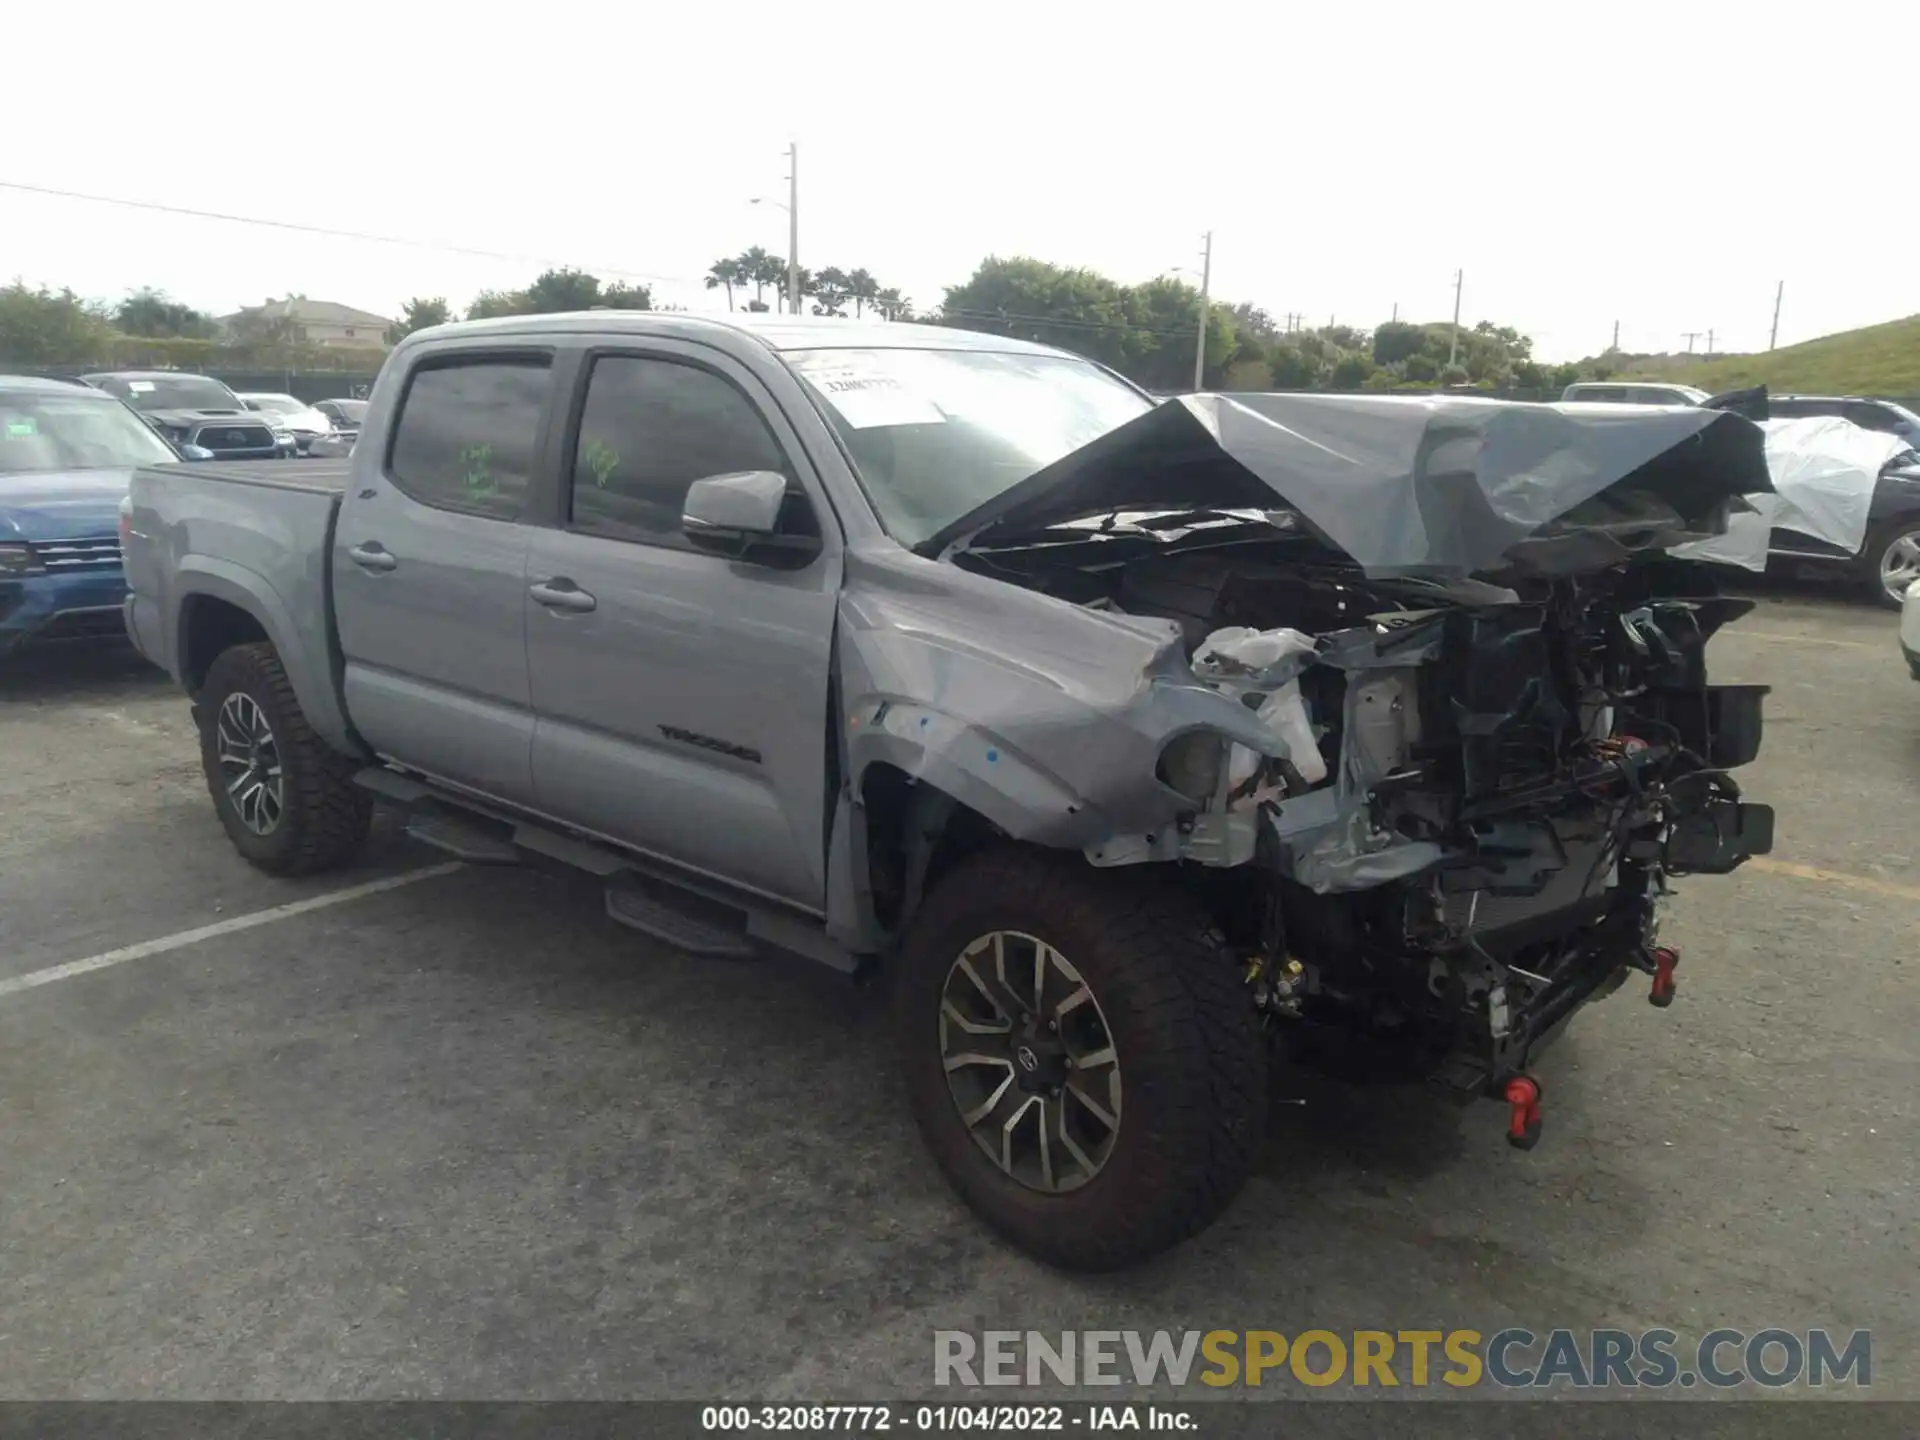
[{"x": 33, "y": 979}]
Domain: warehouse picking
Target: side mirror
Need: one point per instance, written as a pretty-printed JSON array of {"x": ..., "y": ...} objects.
[
  {"x": 195, "y": 452},
  {"x": 742, "y": 516}
]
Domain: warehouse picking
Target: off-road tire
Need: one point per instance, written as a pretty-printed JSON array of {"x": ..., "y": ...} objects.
[
  {"x": 325, "y": 817},
  {"x": 1194, "y": 1065},
  {"x": 1879, "y": 539}
]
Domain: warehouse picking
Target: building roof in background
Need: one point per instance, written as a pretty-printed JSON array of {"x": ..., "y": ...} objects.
[{"x": 311, "y": 312}]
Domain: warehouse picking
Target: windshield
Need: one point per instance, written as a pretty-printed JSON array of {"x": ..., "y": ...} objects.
[
  {"x": 176, "y": 392},
  {"x": 938, "y": 433},
  {"x": 73, "y": 432},
  {"x": 354, "y": 410},
  {"x": 275, "y": 404}
]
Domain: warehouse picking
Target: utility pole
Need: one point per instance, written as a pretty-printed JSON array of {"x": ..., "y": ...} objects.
[
  {"x": 1709, "y": 344},
  {"x": 793, "y": 228},
  {"x": 1614, "y": 348},
  {"x": 1453, "y": 345},
  {"x": 1396, "y": 312},
  {"x": 1206, "y": 279},
  {"x": 1691, "y": 336},
  {"x": 1774, "y": 334}
]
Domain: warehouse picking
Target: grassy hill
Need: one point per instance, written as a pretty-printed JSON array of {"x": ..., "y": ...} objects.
[{"x": 1879, "y": 360}]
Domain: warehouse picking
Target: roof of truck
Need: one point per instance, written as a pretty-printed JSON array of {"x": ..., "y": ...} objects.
[
  {"x": 776, "y": 332},
  {"x": 42, "y": 385}
]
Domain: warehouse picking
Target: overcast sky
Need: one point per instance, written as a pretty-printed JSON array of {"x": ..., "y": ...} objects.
[{"x": 1663, "y": 166}]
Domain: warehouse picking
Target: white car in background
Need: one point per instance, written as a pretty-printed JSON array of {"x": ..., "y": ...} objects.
[{"x": 288, "y": 412}]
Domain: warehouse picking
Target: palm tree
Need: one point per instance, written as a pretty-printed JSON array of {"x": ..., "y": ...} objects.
[
  {"x": 889, "y": 303},
  {"x": 834, "y": 288},
  {"x": 756, "y": 267},
  {"x": 861, "y": 288},
  {"x": 725, "y": 273}
]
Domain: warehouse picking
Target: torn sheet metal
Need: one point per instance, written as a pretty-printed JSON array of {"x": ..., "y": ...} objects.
[
  {"x": 1056, "y": 739},
  {"x": 1404, "y": 485},
  {"x": 1824, "y": 472}
]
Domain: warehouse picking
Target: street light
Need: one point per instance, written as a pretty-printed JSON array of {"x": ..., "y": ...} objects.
[
  {"x": 792, "y": 207},
  {"x": 793, "y": 240}
]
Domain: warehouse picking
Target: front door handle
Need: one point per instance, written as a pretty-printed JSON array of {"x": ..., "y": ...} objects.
[
  {"x": 561, "y": 593},
  {"x": 372, "y": 556}
]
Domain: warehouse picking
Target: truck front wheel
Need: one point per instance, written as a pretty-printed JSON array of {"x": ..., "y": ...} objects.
[
  {"x": 1081, "y": 1056},
  {"x": 287, "y": 799}
]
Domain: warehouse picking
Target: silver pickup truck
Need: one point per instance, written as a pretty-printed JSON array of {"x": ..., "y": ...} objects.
[{"x": 1129, "y": 741}]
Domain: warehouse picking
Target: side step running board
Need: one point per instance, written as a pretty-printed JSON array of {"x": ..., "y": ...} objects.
[
  {"x": 691, "y": 924},
  {"x": 698, "y": 918},
  {"x": 466, "y": 840}
]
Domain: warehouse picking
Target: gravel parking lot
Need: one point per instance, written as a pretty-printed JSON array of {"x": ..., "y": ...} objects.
[{"x": 462, "y": 1137}]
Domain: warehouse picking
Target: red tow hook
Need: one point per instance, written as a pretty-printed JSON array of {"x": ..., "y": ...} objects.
[
  {"x": 1523, "y": 1119},
  {"x": 1665, "y": 957}
]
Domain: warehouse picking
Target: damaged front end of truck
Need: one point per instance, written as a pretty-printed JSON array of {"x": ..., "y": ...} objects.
[{"x": 1408, "y": 689}]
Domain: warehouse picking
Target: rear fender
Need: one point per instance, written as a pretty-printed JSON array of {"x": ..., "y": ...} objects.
[{"x": 308, "y": 672}]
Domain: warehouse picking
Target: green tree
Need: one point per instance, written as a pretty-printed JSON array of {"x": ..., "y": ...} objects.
[
  {"x": 491, "y": 304},
  {"x": 727, "y": 274},
  {"x": 1247, "y": 372},
  {"x": 556, "y": 292},
  {"x": 154, "y": 314},
  {"x": 1350, "y": 372},
  {"x": 1032, "y": 300},
  {"x": 863, "y": 289},
  {"x": 1396, "y": 342},
  {"x": 891, "y": 306},
  {"x": 831, "y": 289},
  {"x": 620, "y": 296},
  {"x": 761, "y": 270},
  {"x": 39, "y": 326},
  {"x": 418, "y": 314}
]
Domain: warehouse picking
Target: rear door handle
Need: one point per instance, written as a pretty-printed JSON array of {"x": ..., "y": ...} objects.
[
  {"x": 561, "y": 593},
  {"x": 372, "y": 556}
]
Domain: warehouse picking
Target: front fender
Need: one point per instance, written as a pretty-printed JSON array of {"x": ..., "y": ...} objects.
[
  {"x": 970, "y": 763},
  {"x": 302, "y": 654}
]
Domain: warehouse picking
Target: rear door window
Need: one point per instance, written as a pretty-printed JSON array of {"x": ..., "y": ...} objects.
[{"x": 468, "y": 436}]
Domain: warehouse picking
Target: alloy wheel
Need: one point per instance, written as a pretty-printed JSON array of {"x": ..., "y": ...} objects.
[
  {"x": 1030, "y": 1062},
  {"x": 1900, "y": 564},
  {"x": 249, "y": 760}
]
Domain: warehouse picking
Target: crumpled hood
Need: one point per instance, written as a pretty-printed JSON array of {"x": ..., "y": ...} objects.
[
  {"x": 61, "y": 504},
  {"x": 1404, "y": 485}
]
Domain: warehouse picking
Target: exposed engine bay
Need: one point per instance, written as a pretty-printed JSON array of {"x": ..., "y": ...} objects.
[{"x": 1479, "y": 787}]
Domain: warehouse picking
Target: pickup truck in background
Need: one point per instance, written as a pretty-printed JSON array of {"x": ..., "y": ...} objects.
[
  {"x": 197, "y": 411},
  {"x": 1126, "y": 740}
]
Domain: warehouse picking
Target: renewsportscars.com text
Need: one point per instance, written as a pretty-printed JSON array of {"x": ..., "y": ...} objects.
[{"x": 1511, "y": 1359}]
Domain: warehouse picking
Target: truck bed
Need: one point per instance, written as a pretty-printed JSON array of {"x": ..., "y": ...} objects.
[
  {"x": 256, "y": 536},
  {"x": 325, "y": 476}
]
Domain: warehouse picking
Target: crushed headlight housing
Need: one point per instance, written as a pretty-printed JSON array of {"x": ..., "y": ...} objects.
[{"x": 19, "y": 559}]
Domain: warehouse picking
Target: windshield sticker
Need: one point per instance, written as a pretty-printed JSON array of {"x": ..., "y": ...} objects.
[
  {"x": 140, "y": 387},
  {"x": 867, "y": 399},
  {"x": 21, "y": 429}
]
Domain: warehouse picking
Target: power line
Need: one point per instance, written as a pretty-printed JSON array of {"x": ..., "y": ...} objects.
[{"x": 335, "y": 233}]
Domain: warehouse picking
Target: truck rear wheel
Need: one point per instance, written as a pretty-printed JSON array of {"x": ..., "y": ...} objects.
[
  {"x": 1081, "y": 1056},
  {"x": 287, "y": 799}
]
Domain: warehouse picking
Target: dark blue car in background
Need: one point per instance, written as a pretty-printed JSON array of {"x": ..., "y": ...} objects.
[{"x": 66, "y": 452}]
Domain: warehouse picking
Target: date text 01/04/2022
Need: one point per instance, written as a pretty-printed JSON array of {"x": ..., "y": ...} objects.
[{"x": 977, "y": 1419}]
